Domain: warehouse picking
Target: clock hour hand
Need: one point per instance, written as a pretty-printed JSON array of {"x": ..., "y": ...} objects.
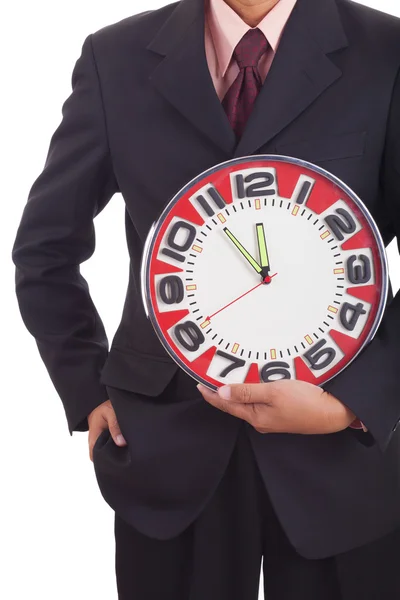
[
  {"x": 243, "y": 251},
  {"x": 262, "y": 249}
]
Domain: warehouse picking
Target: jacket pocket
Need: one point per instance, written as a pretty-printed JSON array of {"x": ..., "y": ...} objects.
[
  {"x": 141, "y": 373},
  {"x": 102, "y": 440},
  {"x": 322, "y": 149}
]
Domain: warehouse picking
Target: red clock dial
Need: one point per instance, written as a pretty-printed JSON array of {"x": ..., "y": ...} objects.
[{"x": 264, "y": 268}]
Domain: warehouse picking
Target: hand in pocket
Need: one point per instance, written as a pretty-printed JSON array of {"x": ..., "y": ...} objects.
[{"x": 101, "y": 418}]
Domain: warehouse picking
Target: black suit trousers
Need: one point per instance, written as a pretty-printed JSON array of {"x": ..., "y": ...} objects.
[{"x": 219, "y": 556}]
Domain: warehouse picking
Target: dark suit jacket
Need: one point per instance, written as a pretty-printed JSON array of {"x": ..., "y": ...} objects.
[{"x": 143, "y": 119}]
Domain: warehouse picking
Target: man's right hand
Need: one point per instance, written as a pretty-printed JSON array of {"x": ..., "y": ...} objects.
[{"x": 104, "y": 417}]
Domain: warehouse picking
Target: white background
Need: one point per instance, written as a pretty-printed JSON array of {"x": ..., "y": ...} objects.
[{"x": 57, "y": 538}]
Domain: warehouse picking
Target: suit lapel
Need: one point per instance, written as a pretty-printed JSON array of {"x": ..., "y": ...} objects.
[
  {"x": 183, "y": 78},
  {"x": 300, "y": 72}
]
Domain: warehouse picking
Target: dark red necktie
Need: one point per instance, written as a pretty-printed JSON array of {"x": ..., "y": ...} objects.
[{"x": 239, "y": 100}]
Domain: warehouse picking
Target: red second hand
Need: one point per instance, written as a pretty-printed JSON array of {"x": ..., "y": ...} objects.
[{"x": 266, "y": 280}]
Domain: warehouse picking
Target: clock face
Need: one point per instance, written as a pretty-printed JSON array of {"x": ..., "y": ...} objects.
[{"x": 264, "y": 268}]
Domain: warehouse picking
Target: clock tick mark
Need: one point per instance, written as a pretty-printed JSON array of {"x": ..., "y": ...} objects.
[
  {"x": 208, "y": 227},
  {"x": 190, "y": 295},
  {"x": 221, "y": 218},
  {"x": 319, "y": 228},
  {"x": 273, "y": 201},
  {"x": 242, "y": 352},
  {"x": 241, "y": 204},
  {"x": 281, "y": 204},
  {"x": 303, "y": 211},
  {"x": 325, "y": 323},
  {"x": 227, "y": 346},
  {"x": 288, "y": 351},
  {"x": 315, "y": 222},
  {"x": 335, "y": 255},
  {"x": 303, "y": 344},
  {"x": 336, "y": 302},
  {"x": 280, "y": 352},
  {"x": 193, "y": 255},
  {"x": 198, "y": 318},
  {"x": 214, "y": 221},
  {"x": 321, "y": 330},
  {"x": 309, "y": 217},
  {"x": 234, "y": 208},
  {"x": 192, "y": 303},
  {"x": 315, "y": 335},
  {"x": 195, "y": 311},
  {"x": 214, "y": 336},
  {"x": 203, "y": 233},
  {"x": 334, "y": 248},
  {"x": 330, "y": 317},
  {"x": 249, "y": 354},
  {"x": 220, "y": 341},
  {"x": 288, "y": 206},
  {"x": 332, "y": 309},
  {"x": 209, "y": 330}
]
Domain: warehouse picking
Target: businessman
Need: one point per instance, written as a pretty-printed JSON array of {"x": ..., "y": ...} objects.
[{"x": 205, "y": 485}]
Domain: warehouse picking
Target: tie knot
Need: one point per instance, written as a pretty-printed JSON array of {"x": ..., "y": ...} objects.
[{"x": 250, "y": 48}]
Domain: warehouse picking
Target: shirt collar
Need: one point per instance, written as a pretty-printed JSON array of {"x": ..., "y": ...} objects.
[{"x": 227, "y": 28}]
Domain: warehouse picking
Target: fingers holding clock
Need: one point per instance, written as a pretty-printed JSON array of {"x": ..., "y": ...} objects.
[
  {"x": 236, "y": 409},
  {"x": 284, "y": 406}
]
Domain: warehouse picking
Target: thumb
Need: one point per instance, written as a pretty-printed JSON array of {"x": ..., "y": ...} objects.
[
  {"x": 247, "y": 393},
  {"x": 116, "y": 432}
]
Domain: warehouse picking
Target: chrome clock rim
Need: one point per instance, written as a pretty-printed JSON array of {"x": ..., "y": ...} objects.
[{"x": 156, "y": 226}]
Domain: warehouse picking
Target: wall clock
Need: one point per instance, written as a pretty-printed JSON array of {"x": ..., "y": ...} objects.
[{"x": 261, "y": 268}]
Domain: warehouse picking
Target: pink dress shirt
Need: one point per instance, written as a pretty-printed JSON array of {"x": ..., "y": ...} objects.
[{"x": 224, "y": 28}]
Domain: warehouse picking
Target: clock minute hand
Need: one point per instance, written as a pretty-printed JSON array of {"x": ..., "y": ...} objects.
[
  {"x": 262, "y": 249},
  {"x": 243, "y": 251}
]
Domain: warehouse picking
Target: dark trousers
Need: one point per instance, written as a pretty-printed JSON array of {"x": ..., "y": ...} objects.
[{"x": 218, "y": 557}]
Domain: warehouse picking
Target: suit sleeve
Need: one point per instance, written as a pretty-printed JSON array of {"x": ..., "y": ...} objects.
[
  {"x": 55, "y": 235},
  {"x": 370, "y": 385}
]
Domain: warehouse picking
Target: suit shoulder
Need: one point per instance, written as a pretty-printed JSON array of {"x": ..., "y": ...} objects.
[
  {"x": 379, "y": 30},
  {"x": 138, "y": 28}
]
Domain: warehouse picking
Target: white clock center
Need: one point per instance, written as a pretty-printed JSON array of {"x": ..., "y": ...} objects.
[{"x": 296, "y": 301}]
